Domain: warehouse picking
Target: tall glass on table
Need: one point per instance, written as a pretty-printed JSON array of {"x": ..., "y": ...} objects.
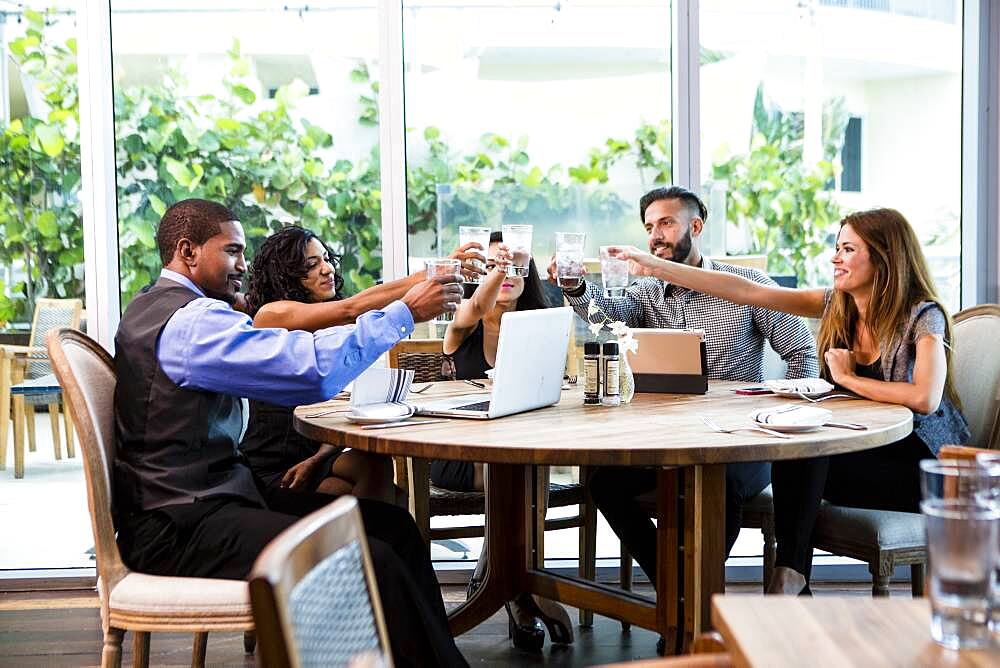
[
  {"x": 569, "y": 259},
  {"x": 991, "y": 461},
  {"x": 517, "y": 238},
  {"x": 614, "y": 274},
  {"x": 443, "y": 267},
  {"x": 479, "y": 235},
  {"x": 963, "y": 530}
]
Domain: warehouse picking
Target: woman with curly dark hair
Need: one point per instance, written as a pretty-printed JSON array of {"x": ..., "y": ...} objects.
[{"x": 294, "y": 284}]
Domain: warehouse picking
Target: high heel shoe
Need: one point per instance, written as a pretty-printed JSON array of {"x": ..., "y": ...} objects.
[
  {"x": 528, "y": 637},
  {"x": 555, "y": 618}
]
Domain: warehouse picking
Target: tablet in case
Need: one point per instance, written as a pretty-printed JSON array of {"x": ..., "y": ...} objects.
[{"x": 670, "y": 361}]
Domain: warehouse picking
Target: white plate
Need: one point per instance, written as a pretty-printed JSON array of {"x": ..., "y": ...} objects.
[
  {"x": 379, "y": 413},
  {"x": 811, "y": 387},
  {"x": 793, "y": 420}
]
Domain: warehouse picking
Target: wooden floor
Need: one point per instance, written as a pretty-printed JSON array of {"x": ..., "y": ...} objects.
[{"x": 64, "y": 629}]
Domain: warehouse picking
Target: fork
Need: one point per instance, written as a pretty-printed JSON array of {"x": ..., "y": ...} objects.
[
  {"x": 412, "y": 391},
  {"x": 329, "y": 412},
  {"x": 816, "y": 400},
  {"x": 722, "y": 430}
]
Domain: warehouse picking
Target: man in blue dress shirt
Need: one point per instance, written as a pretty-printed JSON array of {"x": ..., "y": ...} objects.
[{"x": 185, "y": 502}]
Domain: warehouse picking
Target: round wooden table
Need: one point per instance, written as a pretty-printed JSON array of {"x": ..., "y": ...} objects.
[{"x": 660, "y": 430}]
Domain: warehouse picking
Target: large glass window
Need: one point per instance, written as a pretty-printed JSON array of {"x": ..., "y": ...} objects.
[
  {"x": 44, "y": 512},
  {"x": 555, "y": 115},
  {"x": 267, "y": 108},
  {"x": 809, "y": 111}
]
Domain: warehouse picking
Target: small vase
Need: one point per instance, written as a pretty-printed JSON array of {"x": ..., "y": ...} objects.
[{"x": 626, "y": 381}]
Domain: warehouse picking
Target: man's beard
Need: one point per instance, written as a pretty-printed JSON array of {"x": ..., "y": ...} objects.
[{"x": 679, "y": 251}]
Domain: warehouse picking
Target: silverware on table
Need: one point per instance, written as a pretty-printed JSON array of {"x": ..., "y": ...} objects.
[
  {"x": 846, "y": 425},
  {"x": 400, "y": 424},
  {"x": 425, "y": 387},
  {"x": 474, "y": 382},
  {"x": 817, "y": 400},
  {"x": 724, "y": 430},
  {"x": 329, "y": 412}
]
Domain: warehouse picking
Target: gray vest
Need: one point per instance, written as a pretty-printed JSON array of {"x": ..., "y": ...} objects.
[{"x": 174, "y": 445}]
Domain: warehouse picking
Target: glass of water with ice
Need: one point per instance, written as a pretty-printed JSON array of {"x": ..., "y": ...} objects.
[
  {"x": 479, "y": 235},
  {"x": 569, "y": 259},
  {"x": 614, "y": 274},
  {"x": 518, "y": 239}
]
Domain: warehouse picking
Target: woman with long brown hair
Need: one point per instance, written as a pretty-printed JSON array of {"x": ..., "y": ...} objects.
[{"x": 885, "y": 336}]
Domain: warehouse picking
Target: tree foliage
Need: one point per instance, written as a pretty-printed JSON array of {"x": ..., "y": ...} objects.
[{"x": 271, "y": 165}]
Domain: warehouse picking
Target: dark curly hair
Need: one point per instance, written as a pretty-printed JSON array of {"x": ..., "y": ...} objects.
[{"x": 278, "y": 268}]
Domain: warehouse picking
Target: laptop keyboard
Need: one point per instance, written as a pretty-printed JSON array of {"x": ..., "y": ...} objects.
[{"x": 479, "y": 406}]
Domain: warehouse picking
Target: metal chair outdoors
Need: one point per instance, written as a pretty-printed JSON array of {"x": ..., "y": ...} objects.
[
  {"x": 425, "y": 357},
  {"x": 20, "y": 368},
  {"x": 315, "y": 599},
  {"x": 886, "y": 539},
  {"x": 133, "y": 601}
]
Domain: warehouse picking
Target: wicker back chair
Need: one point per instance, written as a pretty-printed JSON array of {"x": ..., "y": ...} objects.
[
  {"x": 26, "y": 381},
  {"x": 427, "y": 500},
  {"x": 315, "y": 599}
]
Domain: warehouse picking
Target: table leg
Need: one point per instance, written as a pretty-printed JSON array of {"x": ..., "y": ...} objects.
[
  {"x": 669, "y": 606},
  {"x": 508, "y": 533},
  {"x": 704, "y": 569}
]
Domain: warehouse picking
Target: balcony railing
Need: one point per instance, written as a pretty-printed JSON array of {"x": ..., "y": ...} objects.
[{"x": 935, "y": 10}]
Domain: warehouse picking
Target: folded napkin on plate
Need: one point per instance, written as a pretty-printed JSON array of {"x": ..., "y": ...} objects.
[
  {"x": 792, "y": 416},
  {"x": 381, "y": 411},
  {"x": 379, "y": 385},
  {"x": 803, "y": 385}
]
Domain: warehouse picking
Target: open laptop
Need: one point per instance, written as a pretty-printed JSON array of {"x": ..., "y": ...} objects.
[{"x": 531, "y": 358}]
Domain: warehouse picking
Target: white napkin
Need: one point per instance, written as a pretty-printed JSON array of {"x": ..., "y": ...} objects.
[
  {"x": 379, "y": 385},
  {"x": 382, "y": 411},
  {"x": 803, "y": 385},
  {"x": 792, "y": 416}
]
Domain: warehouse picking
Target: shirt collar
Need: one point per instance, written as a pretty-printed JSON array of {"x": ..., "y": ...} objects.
[
  {"x": 182, "y": 279},
  {"x": 673, "y": 287}
]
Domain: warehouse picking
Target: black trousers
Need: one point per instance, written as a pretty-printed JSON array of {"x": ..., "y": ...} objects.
[
  {"x": 616, "y": 491},
  {"x": 222, "y": 537},
  {"x": 886, "y": 478}
]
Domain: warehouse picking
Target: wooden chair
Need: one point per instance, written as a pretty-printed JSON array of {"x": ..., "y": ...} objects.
[
  {"x": 315, "y": 599},
  {"x": 707, "y": 651},
  {"x": 29, "y": 363},
  {"x": 425, "y": 357},
  {"x": 133, "y": 601},
  {"x": 884, "y": 539}
]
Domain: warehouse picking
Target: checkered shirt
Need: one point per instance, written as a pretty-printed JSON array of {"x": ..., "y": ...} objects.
[{"x": 734, "y": 334}]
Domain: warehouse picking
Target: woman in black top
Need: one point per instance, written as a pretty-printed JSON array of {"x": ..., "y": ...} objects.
[
  {"x": 471, "y": 341},
  {"x": 294, "y": 285}
]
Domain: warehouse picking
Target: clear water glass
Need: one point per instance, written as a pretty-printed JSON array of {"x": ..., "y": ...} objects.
[
  {"x": 614, "y": 274},
  {"x": 991, "y": 461},
  {"x": 961, "y": 549},
  {"x": 569, "y": 259},
  {"x": 443, "y": 267},
  {"x": 518, "y": 239},
  {"x": 480, "y": 235}
]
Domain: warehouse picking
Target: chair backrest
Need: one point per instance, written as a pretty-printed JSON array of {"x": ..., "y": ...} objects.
[
  {"x": 313, "y": 591},
  {"x": 976, "y": 370},
  {"x": 86, "y": 373},
  {"x": 423, "y": 356},
  {"x": 51, "y": 314}
]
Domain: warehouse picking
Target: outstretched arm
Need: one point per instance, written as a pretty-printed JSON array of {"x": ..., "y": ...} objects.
[
  {"x": 806, "y": 301},
  {"x": 479, "y": 305}
]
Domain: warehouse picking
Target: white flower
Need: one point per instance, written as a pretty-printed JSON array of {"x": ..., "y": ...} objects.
[
  {"x": 618, "y": 328},
  {"x": 596, "y": 327},
  {"x": 627, "y": 343},
  {"x": 593, "y": 308}
]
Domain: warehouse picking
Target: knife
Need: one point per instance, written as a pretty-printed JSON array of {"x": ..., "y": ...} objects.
[
  {"x": 846, "y": 425},
  {"x": 400, "y": 424}
]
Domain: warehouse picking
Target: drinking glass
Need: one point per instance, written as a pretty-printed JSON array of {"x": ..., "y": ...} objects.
[
  {"x": 569, "y": 258},
  {"x": 443, "y": 267},
  {"x": 961, "y": 548},
  {"x": 614, "y": 274},
  {"x": 518, "y": 239},
  {"x": 991, "y": 461},
  {"x": 481, "y": 235}
]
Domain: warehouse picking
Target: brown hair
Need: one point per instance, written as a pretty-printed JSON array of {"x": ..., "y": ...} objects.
[{"x": 902, "y": 280}]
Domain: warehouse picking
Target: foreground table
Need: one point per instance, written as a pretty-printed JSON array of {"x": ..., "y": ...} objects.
[
  {"x": 778, "y": 631},
  {"x": 660, "y": 430}
]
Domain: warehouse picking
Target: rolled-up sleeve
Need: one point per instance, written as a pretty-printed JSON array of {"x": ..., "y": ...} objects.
[{"x": 208, "y": 346}]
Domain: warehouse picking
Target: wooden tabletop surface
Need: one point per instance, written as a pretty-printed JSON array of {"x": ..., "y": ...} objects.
[
  {"x": 780, "y": 631},
  {"x": 655, "y": 429}
]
